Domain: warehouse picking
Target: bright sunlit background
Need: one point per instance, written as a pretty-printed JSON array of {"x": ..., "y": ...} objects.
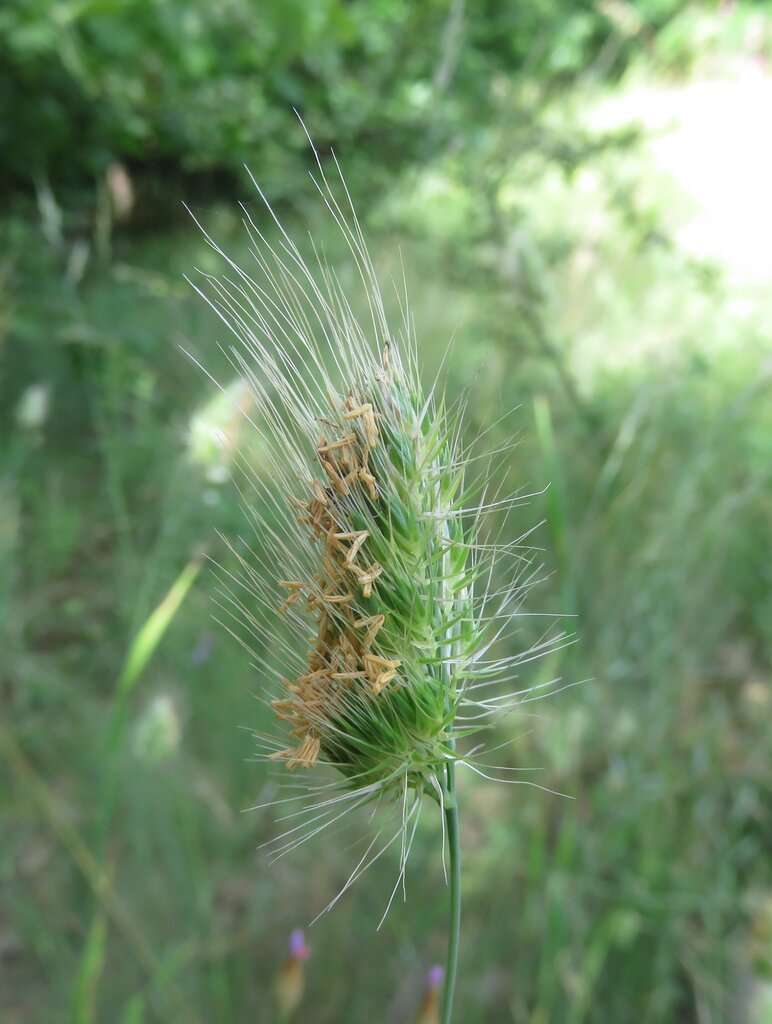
[{"x": 580, "y": 195}]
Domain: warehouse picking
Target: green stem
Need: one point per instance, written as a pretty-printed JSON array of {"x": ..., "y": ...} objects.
[{"x": 454, "y": 849}]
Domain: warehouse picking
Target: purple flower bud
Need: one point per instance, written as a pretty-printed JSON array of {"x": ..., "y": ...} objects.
[
  {"x": 298, "y": 949},
  {"x": 434, "y": 977}
]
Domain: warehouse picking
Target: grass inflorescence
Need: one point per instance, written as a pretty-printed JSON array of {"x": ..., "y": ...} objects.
[
  {"x": 374, "y": 577},
  {"x": 391, "y": 593}
]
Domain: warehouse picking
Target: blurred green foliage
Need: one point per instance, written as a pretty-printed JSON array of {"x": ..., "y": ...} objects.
[
  {"x": 197, "y": 86},
  {"x": 130, "y": 889}
]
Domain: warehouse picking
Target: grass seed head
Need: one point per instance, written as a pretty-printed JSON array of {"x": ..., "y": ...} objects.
[
  {"x": 389, "y": 597},
  {"x": 373, "y": 584}
]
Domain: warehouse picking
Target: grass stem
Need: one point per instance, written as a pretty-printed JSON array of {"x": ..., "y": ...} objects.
[{"x": 454, "y": 848}]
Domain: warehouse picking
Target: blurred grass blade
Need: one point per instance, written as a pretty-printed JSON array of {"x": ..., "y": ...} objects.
[
  {"x": 557, "y": 511},
  {"x": 141, "y": 650},
  {"x": 150, "y": 635},
  {"x": 134, "y": 1013},
  {"x": 91, "y": 966},
  {"x": 139, "y": 654}
]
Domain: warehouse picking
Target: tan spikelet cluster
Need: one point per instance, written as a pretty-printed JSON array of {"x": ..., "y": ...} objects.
[{"x": 342, "y": 656}]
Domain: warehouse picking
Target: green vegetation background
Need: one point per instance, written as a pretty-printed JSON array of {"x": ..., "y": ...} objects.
[{"x": 130, "y": 889}]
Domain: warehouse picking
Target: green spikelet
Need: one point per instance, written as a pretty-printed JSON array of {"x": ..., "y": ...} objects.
[{"x": 391, "y": 594}]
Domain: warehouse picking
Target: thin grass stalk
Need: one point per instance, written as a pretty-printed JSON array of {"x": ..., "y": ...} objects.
[{"x": 454, "y": 880}]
